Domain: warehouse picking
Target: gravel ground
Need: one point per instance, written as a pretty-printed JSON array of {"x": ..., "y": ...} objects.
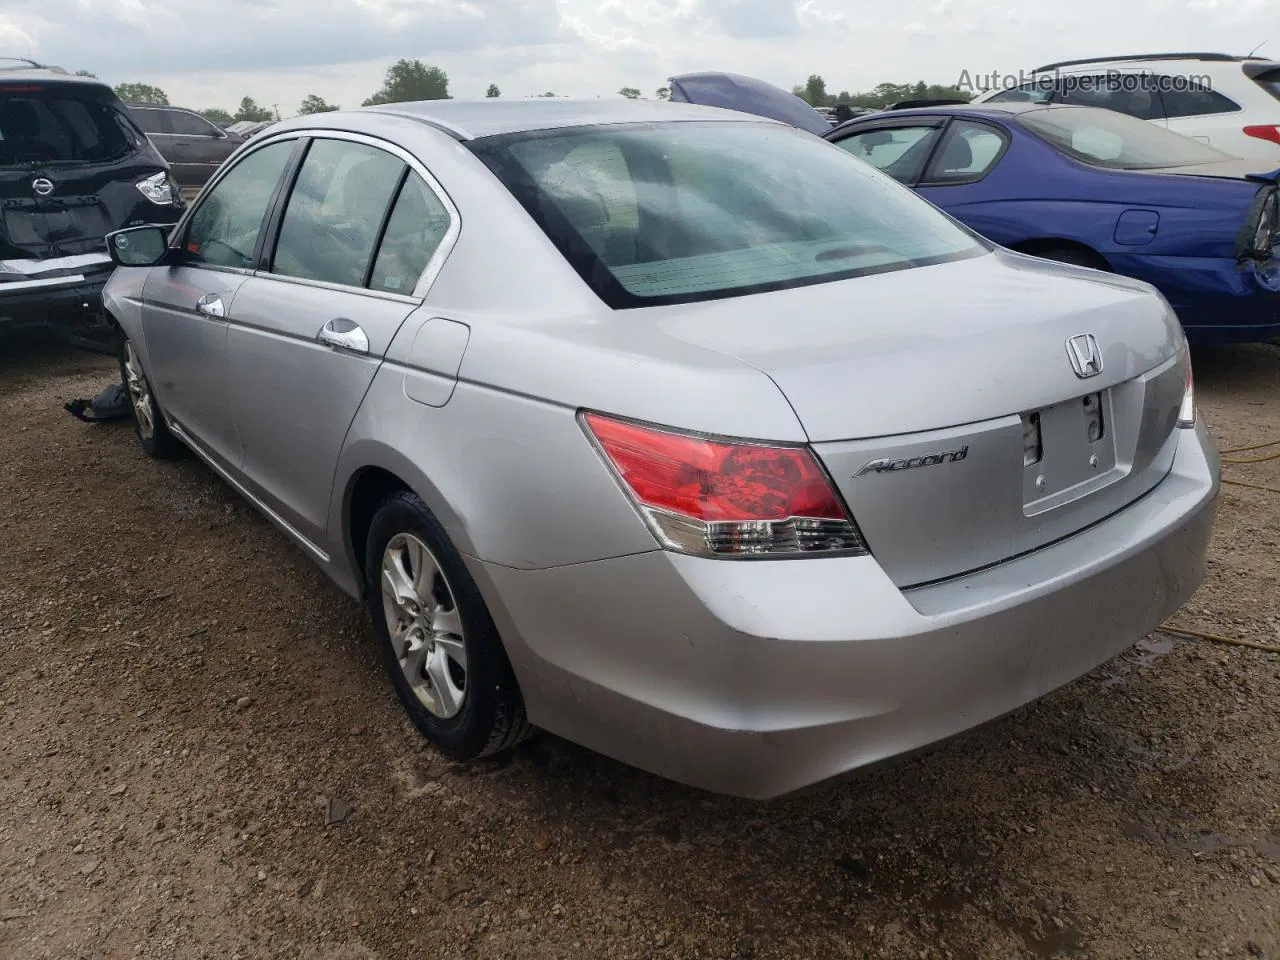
[{"x": 201, "y": 759}]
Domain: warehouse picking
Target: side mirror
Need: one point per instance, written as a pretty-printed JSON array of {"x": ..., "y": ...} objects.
[{"x": 138, "y": 246}]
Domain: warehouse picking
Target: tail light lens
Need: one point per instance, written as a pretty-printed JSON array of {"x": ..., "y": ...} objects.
[
  {"x": 158, "y": 189},
  {"x": 1266, "y": 132},
  {"x": 1187, "y": 412},
  {"x": 715, "y": 498}
]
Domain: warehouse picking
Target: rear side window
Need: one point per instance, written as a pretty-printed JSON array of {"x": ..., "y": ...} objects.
[
  {"x": 190, "y": 125},
  {"x": 54, "y": 127},
  {"x": 417, "y": 227},
  {"x": 1136, "y": 94},
  {"x": 900, "y": 152},
  {"x": 335, "y": 211},
  {"x": 968, "y": 153},
  {"x": 1192, "y": 100},
  {"x": 656, "y": 213}
]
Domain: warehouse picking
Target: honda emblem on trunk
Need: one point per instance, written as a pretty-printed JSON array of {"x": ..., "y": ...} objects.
[
  {"x": 1086, "y": 358},
  {"x": 42, "y": 187}
]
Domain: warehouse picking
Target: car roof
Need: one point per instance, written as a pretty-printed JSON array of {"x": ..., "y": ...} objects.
[
  {"x": 1150, "y": 58},
  {"x": 1006, "y": 108},
  {"x": 472, "y": 119},
  {"x": 37, "y": 73}
]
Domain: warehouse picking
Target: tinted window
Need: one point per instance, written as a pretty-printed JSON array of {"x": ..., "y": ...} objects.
[
  {"x": 677, "y": 212},
  {"x": 900, "y": 152},
  {"x": 190, "y": 125},
  {"x": 52, "y": 128},
  {"x": 1136, "y": 94},
  {"x": 148, "y": 121},
  {"x": 968, "y": 152},
  {"x": 418, "y": 224},
  {"x": 331, "y": 223},
  {"x": 1027, "y": 93},
  {"x": 224, "y": 228},
  {"x": 1106, "y": 139},
  {"x": 1193, "y": 101},
  {"x": 1270, "y": 82}
]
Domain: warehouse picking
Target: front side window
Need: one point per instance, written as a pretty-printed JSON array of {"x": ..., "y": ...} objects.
[
  {"x": 190, "y": 125},
  {"x": 1103, "y": 138},
  {"x": 417, "y": 227},
  {"x": 901, "y": 152},
  {"x": 337, "y": 206},
  {"x": 968, "y": 152},
  {"x": 676, "y": 212},
  {"x": 225, "y": 227}
]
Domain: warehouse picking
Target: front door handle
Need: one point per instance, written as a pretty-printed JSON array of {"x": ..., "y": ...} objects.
[
  {"x": 345, "y": 335},
  {"x": 211, "y": 305}
]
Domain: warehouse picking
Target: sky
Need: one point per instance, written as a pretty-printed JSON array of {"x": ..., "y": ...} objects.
[{"x": 210, "y": 53}]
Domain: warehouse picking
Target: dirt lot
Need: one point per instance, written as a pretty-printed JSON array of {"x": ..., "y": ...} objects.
[{"x": 187, "y": 703}]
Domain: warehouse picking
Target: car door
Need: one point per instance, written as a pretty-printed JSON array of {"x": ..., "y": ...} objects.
[
  {"x": 186, "y": 306},
  {"x": 198, "y": 146},
  {"x": 309, "y": 331},
  {"x": 955, "y": 178}
]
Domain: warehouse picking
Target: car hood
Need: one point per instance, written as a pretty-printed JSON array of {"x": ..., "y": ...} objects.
[
  {"x": 934, "y": 346},
  {"x": 733, "y": 91}
]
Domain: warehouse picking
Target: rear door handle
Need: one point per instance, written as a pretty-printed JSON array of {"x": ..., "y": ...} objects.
[
  {"x": 344, "y": 334},
  {"x": 211, "y": 305}
]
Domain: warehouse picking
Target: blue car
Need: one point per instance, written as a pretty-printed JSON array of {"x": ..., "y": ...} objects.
[{"x": 1077, "y": 184}]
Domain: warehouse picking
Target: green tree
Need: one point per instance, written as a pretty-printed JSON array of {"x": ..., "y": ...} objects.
[
  {"x": 409, "y": 80},
  {"x": 887, "y": 94},
  {"x": 815, "y": 91},
  {"x": 142, "y": 93},
  {"x": 547, "y": 94},
  {"x": 663, "y": 93},
  {"x": 493, "y": 92},
  {"x": 315, "y": 104},
  {"x": 249, "y": 110},
  {"x": 86, "y": 73},
  {"x": 631, "y": 93},
  {"x": 217, "y": 115}
]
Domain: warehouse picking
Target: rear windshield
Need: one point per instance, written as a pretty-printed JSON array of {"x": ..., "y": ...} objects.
[
  {"x": 47, "y": 125},
  {"x": 684, "y": 211},
  {"x": 1104, "y": 138}
]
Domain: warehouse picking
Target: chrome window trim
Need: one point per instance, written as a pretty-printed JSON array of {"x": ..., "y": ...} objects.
[{"x": 437, "y": 260}]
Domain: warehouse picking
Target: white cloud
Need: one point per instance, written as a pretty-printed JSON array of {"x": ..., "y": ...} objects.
[{"x": 277, "y": 51}]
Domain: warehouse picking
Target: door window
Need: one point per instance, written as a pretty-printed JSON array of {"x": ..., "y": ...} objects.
[
  {"x": 148, "y": 121},
  {"x": 415, "y": 231},
  {"x": 1184, "y": 99},
  {"x": 225, "y": 227},
  {"x": 191, "y": 125},
  {"x": 968, "y": 153},
  {"x": 900, "y": 152},
  {"x": 337, "y": 206},
  {"x": 1136, "y": 94}
]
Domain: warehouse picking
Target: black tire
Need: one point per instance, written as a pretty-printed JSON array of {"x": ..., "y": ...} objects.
[
  {"x": 159, "y": 442},
  {"x": 492, "y": 715},
  {"x": 1074, "y": 255}
]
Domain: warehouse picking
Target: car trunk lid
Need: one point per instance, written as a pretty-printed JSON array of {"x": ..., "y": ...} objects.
[{"x": 921, "y": 413}]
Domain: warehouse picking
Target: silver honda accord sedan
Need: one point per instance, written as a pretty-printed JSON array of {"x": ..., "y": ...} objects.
[{"x": 675, "y": 432}]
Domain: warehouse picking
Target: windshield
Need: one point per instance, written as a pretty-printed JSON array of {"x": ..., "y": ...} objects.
[
  {"x": 677, "y": 212},
  {"x": 1104, "y": 138},
  {"x": 48, "y": 125}
]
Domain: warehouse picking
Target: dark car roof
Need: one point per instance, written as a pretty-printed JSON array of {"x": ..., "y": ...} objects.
[{"x": 46, "y": 75}]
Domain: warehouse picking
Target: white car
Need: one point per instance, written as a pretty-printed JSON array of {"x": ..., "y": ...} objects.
[{"x": 1232, "y": 103}]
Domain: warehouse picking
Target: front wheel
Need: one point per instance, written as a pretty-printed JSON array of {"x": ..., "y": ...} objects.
[
  {"x": 148, "y": 420},
  {"x": 437, "y": 639}
]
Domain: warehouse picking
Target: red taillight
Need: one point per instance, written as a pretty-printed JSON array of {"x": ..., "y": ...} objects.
[
  {"x": 19, "y": 88},
  {"x": 718, "y": 498},
  {"x": 1267, "y": 132}
]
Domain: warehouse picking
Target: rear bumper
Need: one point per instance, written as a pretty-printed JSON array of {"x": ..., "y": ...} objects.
[
  {"x": 761, "y": 678},
  {"x": 64, "y": 293}
]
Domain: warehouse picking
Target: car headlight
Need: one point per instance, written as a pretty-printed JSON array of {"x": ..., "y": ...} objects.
[{"x": 158, "y": 189}]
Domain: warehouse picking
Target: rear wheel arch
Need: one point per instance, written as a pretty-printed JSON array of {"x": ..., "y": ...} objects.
[{"x": 1063, "y": 250}]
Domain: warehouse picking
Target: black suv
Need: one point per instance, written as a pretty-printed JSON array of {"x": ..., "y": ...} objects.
[{"x": 73, "y": 167}]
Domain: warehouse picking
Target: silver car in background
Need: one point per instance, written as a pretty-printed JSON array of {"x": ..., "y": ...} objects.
[{"x": 672, "y": 431}]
